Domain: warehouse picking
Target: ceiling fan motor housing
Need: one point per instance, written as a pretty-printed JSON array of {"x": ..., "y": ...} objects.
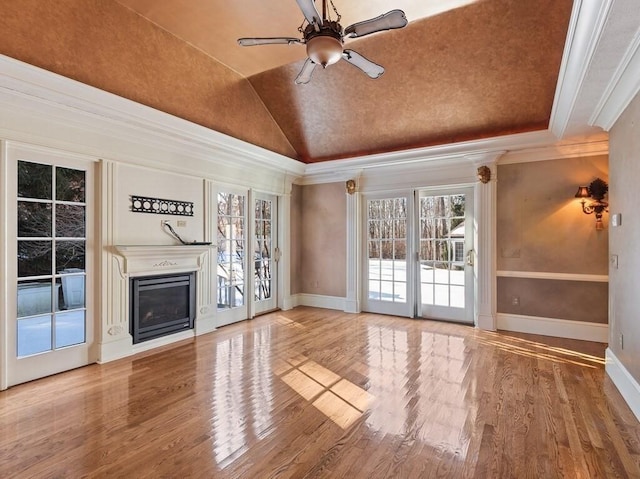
[{"x": 324, "y": 47}]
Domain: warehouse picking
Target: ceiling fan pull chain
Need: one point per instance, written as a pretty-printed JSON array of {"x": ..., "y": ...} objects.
[
  {"x": 336, "y": 11},
  {"x": 301, "y": 27}
]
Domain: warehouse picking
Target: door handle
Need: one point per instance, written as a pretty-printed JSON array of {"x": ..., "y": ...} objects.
[{"x": 470, "y": 255}]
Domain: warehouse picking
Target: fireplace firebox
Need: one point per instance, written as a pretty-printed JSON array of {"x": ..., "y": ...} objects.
[{"x": 162, "y": 305}]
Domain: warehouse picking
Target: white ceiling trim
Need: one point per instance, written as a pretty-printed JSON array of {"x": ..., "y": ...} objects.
[
  {"x": 557, "y": 152},
  {"x": 587, "y": 23},
  {"x": 519, "y": 148},
  {"x": 624, "y": 86},
  {"x": 68, "y": 103},
  {"x": 175, "y": 137},
  {"x": 428, "y": 156}
]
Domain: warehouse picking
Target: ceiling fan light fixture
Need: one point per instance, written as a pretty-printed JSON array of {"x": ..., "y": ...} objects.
[
  {"x": 324, "y": 38},
  {"x": 324, "y": 50}
]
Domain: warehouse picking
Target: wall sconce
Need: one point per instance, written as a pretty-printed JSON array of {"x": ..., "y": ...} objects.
[
  {"x": 484, "y": 174},
  {"x": 597, "y": 190},
  {"x": 351, "y": 186}
]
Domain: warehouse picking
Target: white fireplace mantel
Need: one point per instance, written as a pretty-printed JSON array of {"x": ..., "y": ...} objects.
[{"x": 152, "y": 259}]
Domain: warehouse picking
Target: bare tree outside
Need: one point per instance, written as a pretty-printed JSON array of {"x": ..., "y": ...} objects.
[
  {"x": 231, "y": 250},
  {"x": 51, "y": 247},
  {"x": 262, "y": 249}
]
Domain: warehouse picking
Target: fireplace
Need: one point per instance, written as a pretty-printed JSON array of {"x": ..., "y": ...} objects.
[{"x": 162, "y": 305}]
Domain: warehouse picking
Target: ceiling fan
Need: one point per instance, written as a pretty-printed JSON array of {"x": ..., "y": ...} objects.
[{"x": 324, "y": 39}]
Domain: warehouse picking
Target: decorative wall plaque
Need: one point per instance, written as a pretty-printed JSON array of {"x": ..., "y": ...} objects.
[{"x": 144, "y": 204}]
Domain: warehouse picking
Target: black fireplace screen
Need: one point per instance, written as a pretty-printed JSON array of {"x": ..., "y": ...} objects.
[{"x": 162, "y": 305}]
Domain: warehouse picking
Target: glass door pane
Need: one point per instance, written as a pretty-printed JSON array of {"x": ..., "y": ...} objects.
[
  {"x": 386, "y": 267},
  {"x": 263, "y": 251},
  {"x": 445, "y": 233},
  {"x": 231, "y": 250},
  {"x": 51, "y": 226},
  {"x": 232, "y": 260}
]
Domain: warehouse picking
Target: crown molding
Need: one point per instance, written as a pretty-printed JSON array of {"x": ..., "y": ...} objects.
[
  {"x": 621, "y": 90},
  {"x": 439, "y": 156},
  {"x": 559, "y": 151},
  {"x": 116, "y": 128},
  {"x": 519, "y": 148},
  {"x": 83, "y": 119},
  {"x": 588, "y": 20}
]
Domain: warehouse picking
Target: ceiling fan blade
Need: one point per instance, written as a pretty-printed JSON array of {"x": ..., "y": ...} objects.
[
  {"x": 305, "y": 74},
  {"x": 387, "y": 21},
  {"x": 249, "y": 42},
  {"x": 310, "y": 11},
  {"x": 372, "y": 69}
]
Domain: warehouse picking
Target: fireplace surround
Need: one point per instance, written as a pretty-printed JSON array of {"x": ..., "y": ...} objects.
[
  {"x": 123, "y": 263},
  {"x": 161, "y": 305}
]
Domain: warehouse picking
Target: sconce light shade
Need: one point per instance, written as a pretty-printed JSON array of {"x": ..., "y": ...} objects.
[
  {"x": 583, "y": 192},
  {"x": 596, "y": 190}
]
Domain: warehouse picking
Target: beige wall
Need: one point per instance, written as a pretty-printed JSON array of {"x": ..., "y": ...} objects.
[
  {"x": 624, "y": 148},
  {"x": 134, "y": 228},
  {"x": 321, "y": 267},
  {"x": 541, "y": 229}
]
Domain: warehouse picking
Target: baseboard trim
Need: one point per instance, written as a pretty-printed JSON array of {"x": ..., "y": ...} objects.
[
  {"x": 319, "y": 301},
  {"x": 290, "y": 302},
  {"x": 561, "y": 328},
  {"x": 486, "y": 322},
  {"x": 162, "y": 341},
  {"x": 113, "y": 350},
  {"x": 624, "y": 381},
  {"x": 205, "y": 325}
]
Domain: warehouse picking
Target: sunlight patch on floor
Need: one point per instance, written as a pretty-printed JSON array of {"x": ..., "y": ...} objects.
[{"x": 334, "y": 396}]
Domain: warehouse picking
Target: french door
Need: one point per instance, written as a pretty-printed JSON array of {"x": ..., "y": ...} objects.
[
  {"x": 265, "y": 253},
  {"x": 419, "y": 254},
  {"x": 50, "y": 326},
  {"x": 445, "y": 254},
  {"x": 246, "y": 265},
  {"x": 387, "y": 267}
]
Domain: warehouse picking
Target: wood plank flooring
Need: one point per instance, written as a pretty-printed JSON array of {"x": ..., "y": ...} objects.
[{"x": 312, "y": 393}]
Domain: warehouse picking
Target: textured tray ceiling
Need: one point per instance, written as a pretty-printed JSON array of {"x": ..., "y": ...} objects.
[{"x": 461, "y": 70}]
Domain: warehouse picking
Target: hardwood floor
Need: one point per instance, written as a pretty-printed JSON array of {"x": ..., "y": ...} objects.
[{"x": 317, "y": 393}]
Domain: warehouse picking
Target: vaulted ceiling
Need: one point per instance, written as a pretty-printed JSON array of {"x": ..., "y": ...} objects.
[{"x": 461, "y": 70}]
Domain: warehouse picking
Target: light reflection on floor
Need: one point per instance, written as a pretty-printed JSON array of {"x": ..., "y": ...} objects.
[
  {"x": 418, "y": 374},
  {"x": 337, "y": 398},
  {"x": 533, "y": 349}
]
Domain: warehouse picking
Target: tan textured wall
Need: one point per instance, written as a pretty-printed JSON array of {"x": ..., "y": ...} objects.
[
  {"x": 572, "y": 300},
  {"x": 323, "y": 240},
  {"x": 296, "y": 239},
  {"x": 541, "y": 228},
  {"x": 624, "y": 297},
  {"x": 106, "y": 45}
]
